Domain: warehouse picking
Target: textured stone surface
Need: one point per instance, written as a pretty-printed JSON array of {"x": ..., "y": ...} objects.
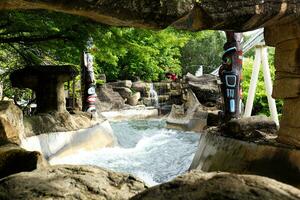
[
  {"x": 197, "y": 185},
  {"x": 189, "y": 116},
  {"x": 186, "y": 14},
  {"x": 48, "y": 84},
  {"x": 134, "y": 99},
  {"x": 57, "y": 122},
  {"x": 11, "y": 122},
  {"x": 122, "y": 84},
  {"x": 123, "y": 91},
  {"x": 287, "y": 79},
  {"x": 249, "y": 128},
  {"x": 70, "y": 182},
  {"x": 289, "y": 132},
  {"x": 205, "y": 88},
  {"x": 265, "y": 157},
  {"x": 108, "y": 99},
  {"x": 142, "y": 87},
  {"x": 14, "y": 159}
]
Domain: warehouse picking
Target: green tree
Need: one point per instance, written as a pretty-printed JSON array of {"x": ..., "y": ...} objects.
[
  {"x": 128, "y": 53},
  {"x": 204, "y": 48}
]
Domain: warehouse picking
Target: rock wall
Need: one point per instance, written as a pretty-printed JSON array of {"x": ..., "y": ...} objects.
[
  {"x": 189, "y": 116},
  {"x": 217, "y": 153},
  {"x": 240, "y": 15},
  {"x": 287, "y": 80},
  {"x": 201, "y": 103},
  {"x": 70, "y": 182},
  {"x": 58, "y": 122},
  {"x": 197, "y": 185},
  {"x": 108, "y": 99},
  {"x": 11, "y": 122},
  {"x": 14, "y": 159},
  {"x": 138, "y": 93}
]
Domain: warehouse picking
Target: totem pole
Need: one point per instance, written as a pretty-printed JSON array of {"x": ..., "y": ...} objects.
[
  {"x": 88, "y": 86},
  {"x": 230, "y": 75}
]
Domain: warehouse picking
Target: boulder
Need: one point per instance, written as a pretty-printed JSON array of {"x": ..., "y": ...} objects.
[
  {"x": 197, "y": 185},
  {"x": 14, "y": 159},
  {"x": 123, "y": 91},
  {"x": 142, "y": 87},
  {"x": 148, "y": 101},
  {"x": 249, "y": 128},
  {"x": 57, "y": 122},
  {"x": 11, "y": 122},
  {"x": 206, "y": 87},
  {"x": 108, "y": 99},
  {"x": 134, "y": 99},
  {"x": 189, "y": 117},
  {"x": 70, "y": 182},
  {"x": 125, "y": 83},
  {"x": 162, "y": 87}
]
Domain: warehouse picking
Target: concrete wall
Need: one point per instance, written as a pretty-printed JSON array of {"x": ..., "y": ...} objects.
[
  {"x": 64, "y": 143},
  {"x": 216, "y": 153}
]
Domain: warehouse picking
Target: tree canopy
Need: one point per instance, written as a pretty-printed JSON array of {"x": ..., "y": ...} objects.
[{"x": 43, "y": 37}]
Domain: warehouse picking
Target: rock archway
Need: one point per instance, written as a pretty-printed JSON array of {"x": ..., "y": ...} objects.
[{"x": 279, "y": 17}]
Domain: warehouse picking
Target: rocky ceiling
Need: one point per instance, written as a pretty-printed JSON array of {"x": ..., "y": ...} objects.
[{"x": 239, "y": 15}]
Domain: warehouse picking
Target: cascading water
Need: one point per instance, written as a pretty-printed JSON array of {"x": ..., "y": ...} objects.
[
  {"x": 146, "y": 149},
  {"x": 154, "y": 95}
]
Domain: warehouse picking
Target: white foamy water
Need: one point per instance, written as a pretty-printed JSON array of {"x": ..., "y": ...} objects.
[
  {"x": 146, "y": 149},
  {"x": 154, "y": 95}
]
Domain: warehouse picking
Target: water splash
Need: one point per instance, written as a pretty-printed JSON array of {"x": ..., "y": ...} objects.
[
  {"x": 154, "y": 95},
  {"x": 146, "y": 150}
]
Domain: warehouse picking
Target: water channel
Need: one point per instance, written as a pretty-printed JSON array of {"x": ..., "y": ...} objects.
[{"x": 146, "y": 149}]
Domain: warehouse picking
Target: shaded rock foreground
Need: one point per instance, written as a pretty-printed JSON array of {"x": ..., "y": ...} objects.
[
  {"x": 88, "y": 182},
  {"x": 70, "y": 182},
  {"x": 220, "y": 186},
  {"x": 14, "y": 159}
]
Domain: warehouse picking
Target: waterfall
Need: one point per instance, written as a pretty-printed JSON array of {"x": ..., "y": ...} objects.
[{"x": 154, "y": 95}]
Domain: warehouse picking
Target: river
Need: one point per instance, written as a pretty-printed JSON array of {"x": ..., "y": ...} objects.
[{"x": 146, "y": 149}]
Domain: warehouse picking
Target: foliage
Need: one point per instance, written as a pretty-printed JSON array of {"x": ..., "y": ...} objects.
[
  {"x": 260, "y": 105},
  {"x": 129, "y": 53},
  {"x": 42, "y": 37},
  {"x": 204, "y": 48},
  {"x": 28, "y": 38}
]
